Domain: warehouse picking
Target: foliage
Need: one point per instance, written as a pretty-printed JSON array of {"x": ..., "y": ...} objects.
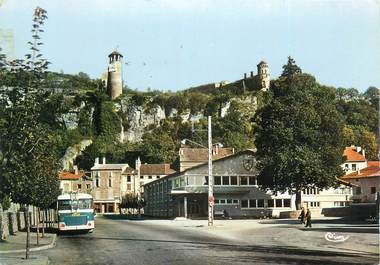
[
  {"x": 299, "y": 136},
  {"x": 291, "y": 68}
]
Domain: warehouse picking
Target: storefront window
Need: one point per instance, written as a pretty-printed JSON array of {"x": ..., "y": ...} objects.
[
  {"x": 270, "y": 203},
  {"x": 260, "y": 203},
  {"x": 217, "y": 180},
  {"x": 244, "y": 203},
  {"x": 226, "y": 180}
]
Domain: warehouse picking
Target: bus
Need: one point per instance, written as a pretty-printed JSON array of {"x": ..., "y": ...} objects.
[{"x": 75, "y": 212}]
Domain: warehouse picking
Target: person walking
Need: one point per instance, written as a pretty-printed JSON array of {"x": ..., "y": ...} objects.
[
  {"x": 308, "y": 218},
  {"x": 302, "y": 215}
]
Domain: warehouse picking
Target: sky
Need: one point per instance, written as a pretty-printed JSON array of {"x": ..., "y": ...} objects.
[{"x": 176, "y": 44}]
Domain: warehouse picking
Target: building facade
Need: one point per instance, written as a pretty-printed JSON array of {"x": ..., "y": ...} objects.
[
  {"x": 236, "y": 192},
  {"x": 107, "y": 186},
  {"x": 76, "y": 181}
]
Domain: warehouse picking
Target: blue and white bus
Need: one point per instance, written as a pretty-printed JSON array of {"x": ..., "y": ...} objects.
[{"x": 75, "y": 212}]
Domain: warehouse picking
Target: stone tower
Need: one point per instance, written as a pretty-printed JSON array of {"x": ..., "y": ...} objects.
[
  {"x": 263, "y": 74},
  {"x": 114, "y": 77}
]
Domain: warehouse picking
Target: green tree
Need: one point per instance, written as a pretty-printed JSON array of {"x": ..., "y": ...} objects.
[
  {"x": 28, "y": 165},
  {"x": 291, "y": 68},
  {"x": 299, "y": 137}
]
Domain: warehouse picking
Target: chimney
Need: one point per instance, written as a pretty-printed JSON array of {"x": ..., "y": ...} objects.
[
  {"x": 358, "y": 149},
  {"x": 251, "y": 73},
  {"x": 363, "y": 152},
  {"x": 75, "y": 170},
  {"x": 245, "y": 75},
  {"x": 104, "y": 160},
  {"x": 96, "y": 161}
]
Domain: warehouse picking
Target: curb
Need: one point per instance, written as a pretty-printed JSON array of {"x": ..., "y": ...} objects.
[{"x": 51, "y": 245}]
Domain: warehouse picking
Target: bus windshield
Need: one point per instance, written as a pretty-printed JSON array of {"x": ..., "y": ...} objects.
[{"x": 75, "y": 204}]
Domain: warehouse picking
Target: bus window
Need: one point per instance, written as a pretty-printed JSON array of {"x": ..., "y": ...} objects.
[
  {"x": 64, "y": 205},
  {"x": 85, "y": 204}
]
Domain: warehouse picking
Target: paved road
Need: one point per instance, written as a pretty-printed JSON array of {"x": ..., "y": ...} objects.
[{"x": 139, "y": 242}]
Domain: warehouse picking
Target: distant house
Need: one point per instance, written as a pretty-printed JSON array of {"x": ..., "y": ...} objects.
[
  {"x": 107, "y": 186},
  {"x": 76, "y": 181},
  {"x": 135, "y": 179},
  {"x": 355, "y": 159},
  {"x": 367, "y": 180}
]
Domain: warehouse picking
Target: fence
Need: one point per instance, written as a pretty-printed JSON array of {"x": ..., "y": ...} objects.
[{"x": 14, "y": 220}]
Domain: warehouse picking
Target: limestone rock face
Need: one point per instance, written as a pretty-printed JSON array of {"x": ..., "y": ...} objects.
[
  {"x": 72, "y": 152},
  {"x": 139, "y": 121}
]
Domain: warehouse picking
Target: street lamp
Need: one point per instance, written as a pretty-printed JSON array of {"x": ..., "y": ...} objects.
[{"x": 210, "y": 178}]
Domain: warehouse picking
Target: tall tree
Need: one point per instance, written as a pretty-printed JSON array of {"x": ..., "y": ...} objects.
[
  {"x": 28, "y": 167},
  {"x": 291, "y": 68},
  {"x": 299, "y": 137}
]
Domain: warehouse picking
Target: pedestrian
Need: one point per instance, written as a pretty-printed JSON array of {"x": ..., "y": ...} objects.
[
  {"x": 302, "y": 215},
  {"x": 308, "y": 218}
]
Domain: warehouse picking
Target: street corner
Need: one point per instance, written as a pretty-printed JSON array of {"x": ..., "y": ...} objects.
[
  {"x": 16, "y": 245},
  {"x": 19, "y": 260}
]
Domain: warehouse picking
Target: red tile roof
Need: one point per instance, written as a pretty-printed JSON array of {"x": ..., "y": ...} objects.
[
  {"x": 352, "y": 155},
  {"x": 64, "y": 175},
  {"x": 372, "y": 170}
]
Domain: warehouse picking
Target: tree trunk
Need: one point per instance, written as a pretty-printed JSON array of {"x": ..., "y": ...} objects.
[
  {"x": 27, "y": 223},
  {"x": 38, "y": 226},
  {"x": 298, "y": 200}
]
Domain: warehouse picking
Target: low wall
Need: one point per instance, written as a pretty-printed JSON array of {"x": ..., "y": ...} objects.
[{"x": 354, "y": 211}]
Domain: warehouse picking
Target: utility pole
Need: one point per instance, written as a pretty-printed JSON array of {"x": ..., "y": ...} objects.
[{"x": 210, "y": 178}]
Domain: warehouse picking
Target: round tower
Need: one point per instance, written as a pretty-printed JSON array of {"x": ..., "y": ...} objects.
[
  {"x": 263, "y": 73},
  {"x": 114, "y": 78}
]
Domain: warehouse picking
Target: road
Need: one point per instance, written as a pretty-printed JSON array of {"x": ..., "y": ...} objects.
[{"x": 140, "y": 242}]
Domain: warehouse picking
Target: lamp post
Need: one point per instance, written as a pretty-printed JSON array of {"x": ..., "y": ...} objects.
[
  {"x": 210, "y": 199},
  {"x": 210, "y": 177}
]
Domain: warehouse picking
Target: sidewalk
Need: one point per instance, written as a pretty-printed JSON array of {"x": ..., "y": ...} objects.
[{"x": 12, "y": 250}]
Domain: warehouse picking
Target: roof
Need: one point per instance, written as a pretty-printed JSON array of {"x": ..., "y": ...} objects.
[
  {"x": 64, "y": 175},
  {"x": 372, "y": 170},
  {"x": 262, "y": 62},
  {"x": 120, "y": 167},
  {"x": 201, "y": 154},
  {"x": 251, "y": 151},
  {"x": 68, "y": 196},
  {"x": 115, "y": 53},
  {"x": 352, "y": 155},
  {"x": 156, "y": 169}
]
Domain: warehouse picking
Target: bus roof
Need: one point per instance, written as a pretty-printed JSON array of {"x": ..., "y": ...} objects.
[{"x": 77, "y": 195}]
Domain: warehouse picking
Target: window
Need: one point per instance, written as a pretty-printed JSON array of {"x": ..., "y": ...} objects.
[
  {"x": 339, "y": 204},
  {"x": 79, "y": 186},
  {"x": 313, "y": 204},
  {"x": 270, "y": 203},
  {"x": 205, "y": 182},
  {"x": 286, "y": 202},
  {"x": 353, "y": 166},
  {"x": 252, "y": 181},
  {"x": 149, "y": 177},
  {"x": 110, "y": 181},
  {"x": 128, "y": 178},
  {"x": 129, "y": 186},
  {"x": 217, "y": 180},
  {"x": 260, "y": 203},
  {"x": 141, "y": 177},
  {"x": 244, "y": 203},
  {"x": 229, "y": 201},
  {"x": 235, "y": 201},
  {"x": 88, "y": 186},
  {"x": 373, "y": 190},
  {"x": 252, "y": 204},
  {"x": 358, "y": 191},
  {"x": 157, "y": 177},
  {"x": 222, "y": 201},
  {"x": 226, "y": 180},
  {"x": 97, "y": 181},
  {"x": 216, "y": 201},
  {"x": 233, "y": 180},
  {"x": 279, "y": 203},
  {"x": 243, "y": 181}
]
